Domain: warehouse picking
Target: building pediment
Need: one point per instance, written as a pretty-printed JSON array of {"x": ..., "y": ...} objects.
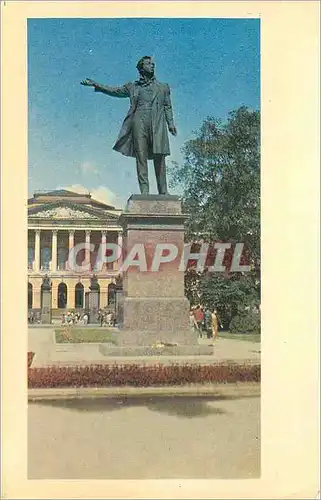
[
  {"x": 65, "y": 211},
  {"x": 65, "y": 196}
]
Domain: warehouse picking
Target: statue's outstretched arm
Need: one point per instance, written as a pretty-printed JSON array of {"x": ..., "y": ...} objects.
[
  {"x": 113, "y": 91},
  {"x": 105, "y": 89}
]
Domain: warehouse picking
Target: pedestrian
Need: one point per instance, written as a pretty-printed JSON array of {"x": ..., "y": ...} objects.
[
  {"x": 63, "y": 319},
  {"x": 192, "y": 321},
  {"x": 208, "y": 323},
  {"x": 68, "y": 318},
  {"x": 215, "y": 323},
  {"x": 101, "y": 317},
  {"x": 199, "y": 318},
  {"x": 109, "y": 318}
]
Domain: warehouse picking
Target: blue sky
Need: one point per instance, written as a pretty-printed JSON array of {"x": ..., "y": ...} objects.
[{"x": 211, "y": 65}]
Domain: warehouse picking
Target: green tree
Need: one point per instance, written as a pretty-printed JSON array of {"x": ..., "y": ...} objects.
[{"x": 220, "y": 182}]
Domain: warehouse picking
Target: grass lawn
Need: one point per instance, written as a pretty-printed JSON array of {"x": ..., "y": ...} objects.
[
  {"x": 251, "y": 337},
  {"x": 78, "y": 335}
]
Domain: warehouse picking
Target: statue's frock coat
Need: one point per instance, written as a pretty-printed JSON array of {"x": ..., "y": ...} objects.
[{"x": 162, "y": 117}]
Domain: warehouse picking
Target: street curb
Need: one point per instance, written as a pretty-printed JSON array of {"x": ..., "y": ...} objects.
[{"x": 232, "y": 390}]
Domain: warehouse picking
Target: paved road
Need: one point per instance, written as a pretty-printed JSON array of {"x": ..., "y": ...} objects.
[
  {"x": 144, "y": 438},
  {"x": 41, "y": 341}
]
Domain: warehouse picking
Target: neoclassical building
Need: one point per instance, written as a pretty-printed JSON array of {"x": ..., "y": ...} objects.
[{"x": 57, "y": 221}]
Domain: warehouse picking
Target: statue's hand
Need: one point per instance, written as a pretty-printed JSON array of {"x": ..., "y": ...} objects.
[
  {"x": 88, "y": 82},
  {"x": 173, "y": 130}
]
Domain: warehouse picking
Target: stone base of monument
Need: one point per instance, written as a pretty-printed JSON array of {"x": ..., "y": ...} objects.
[
  {"x": 46, "y": 307},
  {"x": 155, "y": 312},
  {"x": 156, "y": 350},
  {"x": 93, "y": 306}
]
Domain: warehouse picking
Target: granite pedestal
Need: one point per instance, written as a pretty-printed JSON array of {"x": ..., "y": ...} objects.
[
  {"x": 46, "y": 307},
  {"x": 93, "y": 300},
  {"x": 155, "y": 312}
]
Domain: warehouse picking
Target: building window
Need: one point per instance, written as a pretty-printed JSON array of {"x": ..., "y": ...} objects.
[
  {"x": 79, "y": 296},
  {"x": 62, "y": 258},
  {"x": 111, "y": 294},
  {"x": 30, "y": 257},
  {"x": 30, "y": 295},
  {"x": 45, "y": 258},
  {"x": 62, "y": 296}
]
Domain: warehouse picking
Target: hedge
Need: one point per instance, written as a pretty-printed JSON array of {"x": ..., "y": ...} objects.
[
  {"x": 247, "y": 322},
  {"x": 140, "y": 376}
]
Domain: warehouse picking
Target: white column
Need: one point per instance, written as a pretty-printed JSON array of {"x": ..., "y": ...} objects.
[
  {"x": 54, "y": 250},
  {"x": 103, "y": 248},
  {"x": 37, "y": 250},
  {"x": 87, "y": 250},
  {"x": 118, "y": 263},
  {"x": 70, "y": 244},
  {"x": 71, "y": 295},
  {"x": 71, "y": 238}
]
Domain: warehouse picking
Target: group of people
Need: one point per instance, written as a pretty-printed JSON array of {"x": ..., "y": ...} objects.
[
  {"x": 72, "y": 318},
  {"x": 34, "y": 318},
  {"x": 205, "y": 321},
  {"x": 106, "y": 318}
]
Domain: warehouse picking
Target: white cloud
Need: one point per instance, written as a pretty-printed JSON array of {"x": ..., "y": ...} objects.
[
  {"x": 87, "y": 168},
  {"x": 76, "y": 188},
  {"x": 100, "y": 193},
  {"x": 104, "y": 194}
]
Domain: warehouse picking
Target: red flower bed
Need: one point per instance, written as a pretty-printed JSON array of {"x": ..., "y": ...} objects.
[
  {"x": 140, "y": 376},
  {"x": 30, "y": 358}
]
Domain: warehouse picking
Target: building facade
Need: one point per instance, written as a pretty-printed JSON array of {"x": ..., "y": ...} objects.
[{"x": 58, "y": 221}]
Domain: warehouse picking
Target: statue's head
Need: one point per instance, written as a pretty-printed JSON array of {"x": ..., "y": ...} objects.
[{"x": 146, "y": 66}]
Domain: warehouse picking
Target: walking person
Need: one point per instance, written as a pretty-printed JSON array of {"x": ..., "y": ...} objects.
[
  {"x": 208, "y": 323},
  {"x": 109, "y": 318},
  {"x": 215, "y": 323},
  {"x": 100, "y": 317},
  {"x": 192, "y": 321},
  {"x": 199, "y": 318},
  {"x": 68, "y": 318}
]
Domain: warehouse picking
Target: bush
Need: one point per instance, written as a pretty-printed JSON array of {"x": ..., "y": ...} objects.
[
  {"x": 246, "y": 322},
  {"x": 140, "y": 376}
]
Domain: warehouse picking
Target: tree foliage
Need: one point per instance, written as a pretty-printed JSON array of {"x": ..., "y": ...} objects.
[{"x": 220, "y": 181}]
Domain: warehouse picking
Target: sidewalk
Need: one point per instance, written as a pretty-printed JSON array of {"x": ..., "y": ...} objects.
[
  {"x": 47, "y": 352},
  {"x": 145, "y": 437}
]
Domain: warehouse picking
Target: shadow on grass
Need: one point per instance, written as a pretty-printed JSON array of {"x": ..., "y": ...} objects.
[{"x": 185, "y": 407}]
